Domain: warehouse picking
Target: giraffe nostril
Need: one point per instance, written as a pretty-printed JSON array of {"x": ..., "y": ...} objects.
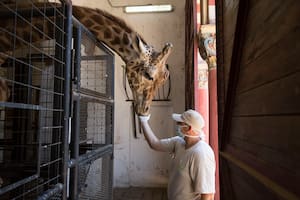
[
  {"x": 147, "y": 108},
  {"x": 147, "y": 75}
]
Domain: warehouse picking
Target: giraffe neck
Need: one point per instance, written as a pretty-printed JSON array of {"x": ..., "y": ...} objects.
[{"x": 110, "y": 30}]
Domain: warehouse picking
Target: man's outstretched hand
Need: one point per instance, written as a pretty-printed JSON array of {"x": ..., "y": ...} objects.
[{"x": 144, "y": 118}]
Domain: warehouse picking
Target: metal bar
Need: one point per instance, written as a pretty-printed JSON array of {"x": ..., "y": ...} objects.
[
  {"x": 108, "y": 125},
  {"x": 111, "y": 72},
  {"x": 50, "y": 163},
  {"x": 17, "y": 184},
  {"x": 99, "y": 57},
  {"x": 27, "y": 106},
  {"x": 74, "y": 178},
  {"x": 67, "y": 91},
  {"x": 133, "y": 120},
  {"x": 26, "y": 12},
  {"x": 51, "y": 192},
  {"x": 92, "y": 155},
  {"x": 93, "y": 98}
]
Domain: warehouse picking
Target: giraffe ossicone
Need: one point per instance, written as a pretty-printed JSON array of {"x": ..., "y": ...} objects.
[{"x": 145, "y": 67}]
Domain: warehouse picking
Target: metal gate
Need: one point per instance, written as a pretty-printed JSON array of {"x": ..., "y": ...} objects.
[
  {"x": 93, "y": 94},
  {"x": 56, "y": 105}
]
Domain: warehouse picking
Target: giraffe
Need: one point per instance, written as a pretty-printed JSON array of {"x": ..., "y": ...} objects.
[{"x": 145, "y": 67}]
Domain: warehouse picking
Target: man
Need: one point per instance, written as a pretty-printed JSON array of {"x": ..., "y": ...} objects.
[{"x": 192, "y": 173}]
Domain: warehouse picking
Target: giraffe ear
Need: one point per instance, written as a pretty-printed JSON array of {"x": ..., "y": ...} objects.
[{"x": 164, "y": 54}]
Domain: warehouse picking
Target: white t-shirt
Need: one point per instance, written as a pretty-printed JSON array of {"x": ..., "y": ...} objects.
[{"x": 192, "y": 170}]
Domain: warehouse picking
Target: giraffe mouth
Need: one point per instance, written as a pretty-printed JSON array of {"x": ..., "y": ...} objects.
[
  {"x": 141, "y": 110},
  {"x": 141, "y": 104}
]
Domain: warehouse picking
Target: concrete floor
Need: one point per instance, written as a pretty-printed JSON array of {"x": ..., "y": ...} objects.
[{"x": 138, "y": 193}]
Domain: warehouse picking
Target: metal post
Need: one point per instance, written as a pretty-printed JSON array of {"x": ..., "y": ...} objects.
[
  {"x": 76, "y": 116},
  {"x": 67, "y": 90}
]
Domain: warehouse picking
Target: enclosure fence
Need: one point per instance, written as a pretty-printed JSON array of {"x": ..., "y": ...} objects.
[{"x": 56, "y": 105}]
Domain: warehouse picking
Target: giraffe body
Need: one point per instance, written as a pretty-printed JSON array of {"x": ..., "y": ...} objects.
[{"x": 145, "y": 68}]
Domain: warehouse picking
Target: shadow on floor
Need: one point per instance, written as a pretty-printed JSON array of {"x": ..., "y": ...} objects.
[{"x": 139, "y": 193}]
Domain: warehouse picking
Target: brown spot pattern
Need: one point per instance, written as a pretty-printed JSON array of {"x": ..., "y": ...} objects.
[
  {"x": 97, "y": 28},
  {"x": 97, "y": 19},
  {"x": 117, "y": 29},
  {"x": 115, "y": 41},
  {"x": 107, "y": 34},
  {"x": 88, "y": 23},
  {"x": 126, "y": 40}
]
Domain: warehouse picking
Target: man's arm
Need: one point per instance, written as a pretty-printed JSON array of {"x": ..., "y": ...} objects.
[{"x": 151, "y": 138}]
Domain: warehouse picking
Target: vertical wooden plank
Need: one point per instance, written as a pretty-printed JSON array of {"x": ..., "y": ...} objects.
[{"x": 234, "y": 69}]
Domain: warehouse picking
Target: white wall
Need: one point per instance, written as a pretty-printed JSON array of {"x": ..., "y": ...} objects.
[{"x": 135, "y": 164}]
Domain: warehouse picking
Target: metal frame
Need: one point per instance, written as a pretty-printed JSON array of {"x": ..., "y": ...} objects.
[
  {"x": 30, "y": 186},
  {"x": 66, "y": 117}
]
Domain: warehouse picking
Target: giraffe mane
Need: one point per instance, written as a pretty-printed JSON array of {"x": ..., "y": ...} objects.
[
  {"x": 114, "y": 19},
  {"x": 118, "y": 21}
]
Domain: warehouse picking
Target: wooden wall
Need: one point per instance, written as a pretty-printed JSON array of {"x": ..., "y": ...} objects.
[{"x": 258, "y": 48}]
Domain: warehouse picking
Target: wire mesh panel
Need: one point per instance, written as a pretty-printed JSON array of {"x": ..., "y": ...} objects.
[
  {"x": 95, "y": 179},
  {"x": 93, "y": 74},
  {"x": 32, "y": 64},
  {"x": 95, "y": 124},
  {"x": 96, "y": 94},
  {"x": 96, "y": 72}
]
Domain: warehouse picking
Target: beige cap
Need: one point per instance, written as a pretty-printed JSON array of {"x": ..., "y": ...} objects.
[{"x": 192, "y": 118}]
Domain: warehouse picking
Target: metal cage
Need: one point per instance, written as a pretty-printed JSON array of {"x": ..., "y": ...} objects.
[
  {"x": 56, "y": 105},
  {"x": 93, "y": 108}
]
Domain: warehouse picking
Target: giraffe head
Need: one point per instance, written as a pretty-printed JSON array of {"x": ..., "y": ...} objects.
[{"x": 145, "y": 74}]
